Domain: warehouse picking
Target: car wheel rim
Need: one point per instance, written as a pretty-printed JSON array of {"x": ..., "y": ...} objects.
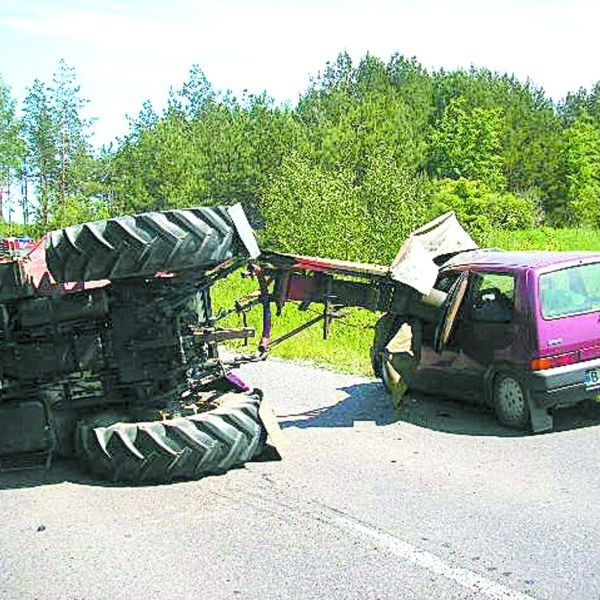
[{"x": 511, "y": 398}]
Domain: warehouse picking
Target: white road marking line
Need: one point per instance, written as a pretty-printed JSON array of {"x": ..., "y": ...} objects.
[{"x": 431, "y": 562}]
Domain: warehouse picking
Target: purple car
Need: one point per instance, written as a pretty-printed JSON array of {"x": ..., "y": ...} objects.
[{"x": 521, "y": 334}]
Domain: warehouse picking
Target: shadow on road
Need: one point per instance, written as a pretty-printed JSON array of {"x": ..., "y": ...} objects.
[
  {"x": 370, "y": 402},
  {"x": 59, "y": 472},
  {"x": 364, "y": 402}
]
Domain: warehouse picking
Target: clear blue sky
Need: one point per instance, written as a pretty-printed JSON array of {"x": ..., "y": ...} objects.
[{"x": 127, "y": 51}]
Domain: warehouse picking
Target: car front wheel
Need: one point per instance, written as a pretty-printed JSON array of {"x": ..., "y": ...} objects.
[{"x": 510, "y": 402}]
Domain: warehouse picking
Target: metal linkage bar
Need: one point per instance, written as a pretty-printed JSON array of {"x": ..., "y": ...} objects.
[{"x": 286, "y": 278}]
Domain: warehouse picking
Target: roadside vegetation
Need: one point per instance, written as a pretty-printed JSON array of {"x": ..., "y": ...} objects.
[
  {"x": 369, "y": 152},
  {"x": 546, "y": 238}
]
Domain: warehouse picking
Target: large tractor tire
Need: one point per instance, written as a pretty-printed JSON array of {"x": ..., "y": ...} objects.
[
  {"x": 142, "y": 245},
  {"x": 180, "y": 448}
]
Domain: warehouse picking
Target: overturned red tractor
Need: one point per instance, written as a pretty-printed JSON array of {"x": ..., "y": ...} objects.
[{"x": 109, "y": 351}]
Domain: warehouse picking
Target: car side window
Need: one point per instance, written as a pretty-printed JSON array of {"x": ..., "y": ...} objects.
[
  {"x": 446, "y": 280},
  {"x": 492, "y": 297}
]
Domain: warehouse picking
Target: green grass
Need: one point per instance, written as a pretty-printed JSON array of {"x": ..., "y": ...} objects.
[{"x": 347, "y": 348}]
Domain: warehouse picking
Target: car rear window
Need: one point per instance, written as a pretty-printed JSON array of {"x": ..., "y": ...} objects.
[{"x": 571, "y": 291}]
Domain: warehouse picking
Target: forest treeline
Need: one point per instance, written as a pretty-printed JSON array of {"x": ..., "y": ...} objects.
[{"x": 370, "y": 151}]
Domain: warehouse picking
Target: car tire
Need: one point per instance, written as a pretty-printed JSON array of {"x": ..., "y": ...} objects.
[
  {"x": 141, "y": 245},
  {"x": 179, "y": 448},
  {"x": 510, "y": 402}
]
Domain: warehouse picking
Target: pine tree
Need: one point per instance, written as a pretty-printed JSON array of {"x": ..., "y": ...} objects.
[
  {"x": 58, "y": 151},
  {"x": 72, "y": 137},
  {"x": 11, "y": 145},
  {"x": 40, "y": 131}
]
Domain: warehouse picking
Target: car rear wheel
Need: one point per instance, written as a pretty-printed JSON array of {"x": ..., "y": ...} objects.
[{"x": 510, "y": 402}]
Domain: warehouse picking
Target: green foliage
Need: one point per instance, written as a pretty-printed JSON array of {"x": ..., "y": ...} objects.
[
  {"x": 395, "y": 201},
  {"x": 468, "y": 143},
  {"x": 546, "y": 238},
  {"x": 353, "y": 114},
  {"x": 482, "y": 210},
  {"x": 576, "y": 104},
  {"x": 40, "y": 132},
  {"x": 78, "y": 209},
  {"x": 205, "y": 148},
  {"x": 58, "y": 153},
  {"x": 12, "y": 147},
  {"x": 309, "y": 211},
  {"x": 371, "y": 151},
  {"x": 71, "y": 135},
  {"x": 582, "y": 171},
  {"x": 530, "y": 136},
  {"x": 12, "y": 229},
  {"x": 415, "y": 87}
]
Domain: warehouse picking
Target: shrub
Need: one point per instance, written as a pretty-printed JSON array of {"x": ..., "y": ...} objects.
[{"x": 482, "y": 210}]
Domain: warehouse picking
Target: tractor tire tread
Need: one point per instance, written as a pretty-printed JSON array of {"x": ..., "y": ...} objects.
[
  {"x": 141, "y": 245},
  {"x": 179, "y": 448}
]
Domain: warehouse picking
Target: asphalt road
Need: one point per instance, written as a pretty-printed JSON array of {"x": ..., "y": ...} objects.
[{"x": 433, "y": 501}]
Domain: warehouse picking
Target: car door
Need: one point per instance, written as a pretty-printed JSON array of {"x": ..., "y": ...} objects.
[
  {"x": 437, "y": 356},
  {"x": 483, "y": 330}
]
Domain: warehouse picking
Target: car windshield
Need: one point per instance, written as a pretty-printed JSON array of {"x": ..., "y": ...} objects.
[{"x": 571, "y": 291}]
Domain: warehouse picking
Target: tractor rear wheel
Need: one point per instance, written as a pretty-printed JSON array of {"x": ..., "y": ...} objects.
[
  {"x": 179, "y": 448},
  {"x": 142, "y": 245}
]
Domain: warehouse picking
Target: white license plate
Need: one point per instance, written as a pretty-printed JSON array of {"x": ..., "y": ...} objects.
[{"x": 592, "y": 378}]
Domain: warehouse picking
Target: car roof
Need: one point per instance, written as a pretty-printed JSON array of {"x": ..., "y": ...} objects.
[{"x": 521, "y": 259}]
